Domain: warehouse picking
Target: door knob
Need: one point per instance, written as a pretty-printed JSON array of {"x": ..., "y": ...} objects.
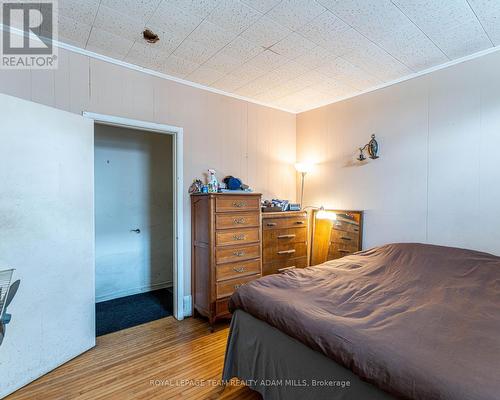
[{"x": 135, "y": 230}]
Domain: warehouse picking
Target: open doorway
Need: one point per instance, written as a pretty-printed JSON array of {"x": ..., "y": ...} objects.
[
  {"x": 134, "y": 225},
  {"x": 181, "y": 304}
]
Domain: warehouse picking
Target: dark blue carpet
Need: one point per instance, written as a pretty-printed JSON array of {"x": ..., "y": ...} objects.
[{"x": 125, "y": 312}]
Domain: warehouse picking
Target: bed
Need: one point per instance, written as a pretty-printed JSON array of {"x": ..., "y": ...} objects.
[{"x": 409, "y": 321}]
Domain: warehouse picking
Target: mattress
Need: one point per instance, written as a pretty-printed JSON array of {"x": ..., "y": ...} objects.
[
  {"x": 282, "y": 368},
  {"x": 417, "y": 321}
]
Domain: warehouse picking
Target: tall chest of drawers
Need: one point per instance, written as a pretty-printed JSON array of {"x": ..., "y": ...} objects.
[
  {"x": 285, "y": 241},
  {"x": 226, "y": 249}
]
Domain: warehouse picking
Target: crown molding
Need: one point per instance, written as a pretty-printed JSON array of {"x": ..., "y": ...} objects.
[
  {"x": 148, "y": 71},
  {"x": 161, "y": 75}
]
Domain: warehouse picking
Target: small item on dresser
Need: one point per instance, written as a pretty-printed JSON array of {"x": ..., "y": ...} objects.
[
  {"x": 271, "y": 209},
  {"x": 284, "y": 205},
  {"x": 196, "y": 186},
  {"x": 276, "y": 205},
  {"x": 268, "y": 206},
  {"x": 213, "y": 183},
  {"x": 232, "y": 183}
]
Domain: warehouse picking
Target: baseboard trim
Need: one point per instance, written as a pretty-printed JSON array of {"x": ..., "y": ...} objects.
[
  {"x": 187, "y": 306},
  {"x": 130, "y": 292}
]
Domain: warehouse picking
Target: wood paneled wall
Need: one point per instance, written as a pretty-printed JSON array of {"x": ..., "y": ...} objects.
[
  {"x": 235, "y": 137},
  {"x": 437, "y": 179}
]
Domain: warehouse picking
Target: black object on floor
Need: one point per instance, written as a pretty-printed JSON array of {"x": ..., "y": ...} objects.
[{"x": 125, "y": 312}]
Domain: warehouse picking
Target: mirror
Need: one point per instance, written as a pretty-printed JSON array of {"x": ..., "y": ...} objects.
[{"x": 336, "y": 237}]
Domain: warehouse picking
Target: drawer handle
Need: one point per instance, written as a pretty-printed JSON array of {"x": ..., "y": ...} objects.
[
  {"x": 344, "y": 251},
  {"x": 239, "y": 269},
  {"x": 238, "y": 286},
  {"x": 345, "y": 238},
  {"x": 239, "y": 221},
  {"x": 299, "y": 222},
  {"x": 272, "y": 224},
  {"x": 239, "y": 237},
  {"x": 286, "y": 236},
  {"x": 285, "y": 269},
  {"x": 286, "y": 252},
  {"x": 239, "y": 204},
  {"x": 239, "y": 253}
]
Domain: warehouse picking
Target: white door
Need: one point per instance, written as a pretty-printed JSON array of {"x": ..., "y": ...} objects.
[{"x": 47, "y": 236}]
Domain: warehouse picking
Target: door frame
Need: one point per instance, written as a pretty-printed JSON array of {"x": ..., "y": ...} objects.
[{"x": 177, "y": 134}]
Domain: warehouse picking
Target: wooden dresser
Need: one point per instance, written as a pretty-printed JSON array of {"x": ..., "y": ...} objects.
[
  {"x": 226, "y": 249},
  {"x": 337, "y": 238},
  {"x": 284, "y": 241}
]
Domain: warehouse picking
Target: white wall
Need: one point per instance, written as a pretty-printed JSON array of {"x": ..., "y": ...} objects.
[
  {"x": 437, "y": 179},
  {"x": 133, "y": 189},
  {"x": 235, "y": 137},
  {"x": 47, "y": 235}
]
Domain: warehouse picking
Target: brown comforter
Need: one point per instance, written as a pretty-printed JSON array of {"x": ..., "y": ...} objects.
[{"x": 419, "y": 321}]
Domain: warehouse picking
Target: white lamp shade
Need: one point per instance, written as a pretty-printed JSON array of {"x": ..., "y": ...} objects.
[{"x": 304, "y": 167}]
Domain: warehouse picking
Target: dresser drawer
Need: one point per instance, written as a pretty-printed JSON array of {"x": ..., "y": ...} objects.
[
  {"x": 237, "y": 203},
  {"x": 285, "y": 252},
  {"x": 236, "y": 254},
  {"x": 237, "y": 236},
  {"x": 277, "y": 267},
  {"x": 280, "y": 223},
  {"x": 335, "y": 251},
  {"x": 240, "y": 220},
  {"x": 284, "y": 236},
  {"x": 343, "y": 225},
  {"x": 236, "y": 270},
  {"x": 227, "y": 288},
  {"x": 345, "y": 237}
]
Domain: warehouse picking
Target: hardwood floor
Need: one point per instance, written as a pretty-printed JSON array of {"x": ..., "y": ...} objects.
[{"x": 164, "y": 359}]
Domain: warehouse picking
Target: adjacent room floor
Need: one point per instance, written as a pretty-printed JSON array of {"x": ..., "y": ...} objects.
[
  {"x": 126, "y": 312},
  {"x": 164, "y": 359}
]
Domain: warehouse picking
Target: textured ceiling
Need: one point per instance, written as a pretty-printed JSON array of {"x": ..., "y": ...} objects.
[{"x": 291, "y": 54}]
